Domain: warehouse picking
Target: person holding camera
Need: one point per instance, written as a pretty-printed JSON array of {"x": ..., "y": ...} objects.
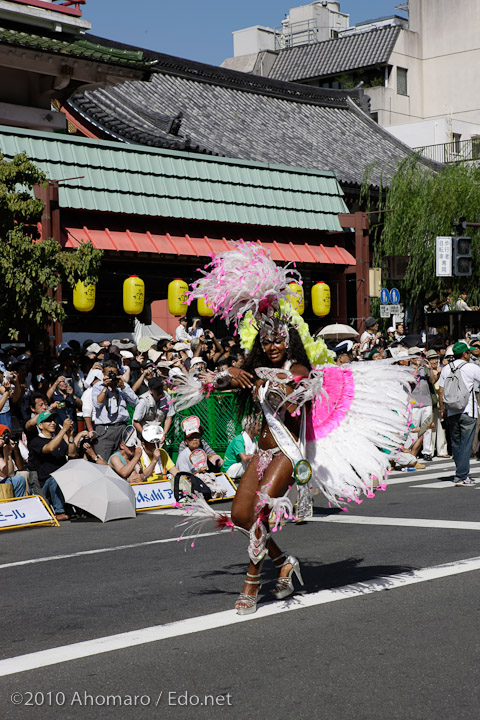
[
  {"x": 50, "y": 451},
  {"x": 63, "y": 393},
  {"x": 86, "y": 450},
  {"x": 147, "y": 372},
  {"x": 154, "y": 407},
  {"x": 111, "y": 398},
  {"x": 10, "y": 462}
]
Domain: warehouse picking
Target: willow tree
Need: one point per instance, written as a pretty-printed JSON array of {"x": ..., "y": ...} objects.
[
  {"x": 423, "y": 204},
  {"x": 31, "y": 270}
]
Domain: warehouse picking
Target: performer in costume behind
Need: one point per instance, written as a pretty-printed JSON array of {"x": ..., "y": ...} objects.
[{"x": 318, "y": 417}]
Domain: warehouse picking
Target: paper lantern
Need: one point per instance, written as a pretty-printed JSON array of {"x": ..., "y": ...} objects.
[
  {"x": 321, "y": 299},
  {"x": 296, "y": 297},
  {"x": 133, "y": 295},
  {"x": 202, "y": 308},
  {"x": 177, "y": 297},
  {"x": 83, "y": 297}
]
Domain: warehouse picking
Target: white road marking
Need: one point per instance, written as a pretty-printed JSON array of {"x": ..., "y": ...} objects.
[
  {"x": 50, "y": 558},
  {"x": 156, "y": 633},
  {"x": 434, "y": 469},
  {"x": 417, "y": 476},
  {"x": 397, "y": 522},
  {"x": 437, "y": 485}
]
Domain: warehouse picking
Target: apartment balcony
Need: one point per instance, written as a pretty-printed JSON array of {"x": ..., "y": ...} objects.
[{"x": 456, "y": 151}]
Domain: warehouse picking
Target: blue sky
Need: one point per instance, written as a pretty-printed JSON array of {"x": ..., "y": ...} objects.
[{"x": 202, "y": 29}]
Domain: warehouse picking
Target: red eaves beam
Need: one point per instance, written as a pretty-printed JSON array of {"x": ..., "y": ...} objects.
[
  {"x": 201, "y": 247},
  {"x": 64, "y": 7}
]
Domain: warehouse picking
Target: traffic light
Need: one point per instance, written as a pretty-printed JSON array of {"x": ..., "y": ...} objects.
[{"x": 462, "y": 256}]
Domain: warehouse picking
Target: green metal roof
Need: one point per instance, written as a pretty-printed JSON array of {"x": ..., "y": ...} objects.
[
  {"x": 80, "y": 48},
  {"x": 135, "y": 180}
]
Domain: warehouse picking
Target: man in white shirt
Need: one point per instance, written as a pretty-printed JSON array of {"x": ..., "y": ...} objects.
[
  {"x": 462, "y": 425},
  {"x": 181, "y": 334}
]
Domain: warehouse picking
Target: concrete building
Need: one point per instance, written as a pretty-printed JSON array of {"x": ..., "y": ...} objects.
[{"x": 421, "y": 72}]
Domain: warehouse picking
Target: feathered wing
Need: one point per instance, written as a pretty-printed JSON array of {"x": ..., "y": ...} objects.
[
  {"x": 356, "y": 411},
  {"x": 188, "y": 392}
]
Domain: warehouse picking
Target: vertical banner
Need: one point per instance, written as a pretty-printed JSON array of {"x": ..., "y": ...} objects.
[{"x": 443, "y": 262}]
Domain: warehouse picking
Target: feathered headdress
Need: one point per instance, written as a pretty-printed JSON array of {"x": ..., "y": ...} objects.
[
  {"x": 243, "y": 280},
  {"x": 244, "y": 285}
]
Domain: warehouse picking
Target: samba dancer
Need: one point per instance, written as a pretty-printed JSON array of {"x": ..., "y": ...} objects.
[{"x": 316, "y": 415}]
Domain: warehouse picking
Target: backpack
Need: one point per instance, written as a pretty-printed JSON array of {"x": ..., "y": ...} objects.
[{"x": 455, "y": 394}]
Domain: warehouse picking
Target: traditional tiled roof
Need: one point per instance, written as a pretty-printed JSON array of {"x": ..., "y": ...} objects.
[
  {"x": 73, "y": 46},
  {"x": 125, "y": 179},
  {"x": 244, "y": 116},
  {"x": 348, "y": 52}
]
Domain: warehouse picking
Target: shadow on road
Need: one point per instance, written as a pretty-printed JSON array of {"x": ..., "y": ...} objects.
[{"x": 316, "y": 576}]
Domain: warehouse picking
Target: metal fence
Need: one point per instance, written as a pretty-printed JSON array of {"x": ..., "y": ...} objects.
[
  {"x": 457, "y": 151},
  {"x": 219, "y": 418}
]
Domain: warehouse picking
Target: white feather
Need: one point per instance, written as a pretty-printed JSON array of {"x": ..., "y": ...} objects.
[{"x": 238, "y": 280}]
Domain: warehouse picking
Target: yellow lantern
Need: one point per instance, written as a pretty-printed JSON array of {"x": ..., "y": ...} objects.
[
  {"x": 83, "y": 297},
  {"x": 321, "y": 299},
  {"x": 177, "y": 298},
  {"x": 133, "y": 295},
  {"x": 296, "y": 297},
  {"x": 203, "y": 309}
]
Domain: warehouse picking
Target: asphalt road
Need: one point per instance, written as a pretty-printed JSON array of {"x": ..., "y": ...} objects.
[{"x": 385, "y": 628}]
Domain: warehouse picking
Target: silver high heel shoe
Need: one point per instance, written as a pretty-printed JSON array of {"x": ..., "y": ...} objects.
[
  {"x": 249, "y": 602},
  {"x": 284, "y": 586}
]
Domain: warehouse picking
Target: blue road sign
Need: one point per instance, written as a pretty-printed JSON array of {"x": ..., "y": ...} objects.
[
  {"x": 384, "y": 296},
  {"x": 394, "y": 296}
]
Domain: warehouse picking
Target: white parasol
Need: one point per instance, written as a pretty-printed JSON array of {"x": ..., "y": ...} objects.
[
  {"x": 97, "y": 489},
  {"x": 338, "y": 332}
]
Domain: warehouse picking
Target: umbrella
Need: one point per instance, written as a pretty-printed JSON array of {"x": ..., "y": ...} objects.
[
  {"x": 337, "y": 332},
  {"x": 96, "y": 489}
]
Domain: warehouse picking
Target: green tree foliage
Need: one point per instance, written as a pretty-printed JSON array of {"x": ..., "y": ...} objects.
[
  {"x": 423, "y": 204},
  {"x": 31, "y": 270}
]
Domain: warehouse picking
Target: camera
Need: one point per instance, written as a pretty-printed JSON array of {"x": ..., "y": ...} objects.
[
  {"x": 112, "y": 376},
  {"x": 90, "y": 441},
  {"x": 10, "y": 436},
  {"x": 149, "y": 365}
]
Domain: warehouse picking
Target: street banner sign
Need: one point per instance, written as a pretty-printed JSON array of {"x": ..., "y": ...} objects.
[
  {"x": 385, "y": 311},
  {"x": 394, "y": 296},
  {"x": 384, "y": 297},
  {"x": 443, "y": 258},
  {"x": 25, "y": 512},
  {"x": 159, "y": 495}
]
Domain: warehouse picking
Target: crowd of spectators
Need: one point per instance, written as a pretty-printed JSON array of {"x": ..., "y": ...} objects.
[
  {"x": 107, "y": 402},
  {"x": 110, "y": 403}
]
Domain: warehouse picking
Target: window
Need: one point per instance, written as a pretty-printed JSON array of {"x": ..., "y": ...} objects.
[
  {"x": 374, "y": 116},
  {"x": 401, "y": 81},
  {"x": 456, "y": 142}
]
